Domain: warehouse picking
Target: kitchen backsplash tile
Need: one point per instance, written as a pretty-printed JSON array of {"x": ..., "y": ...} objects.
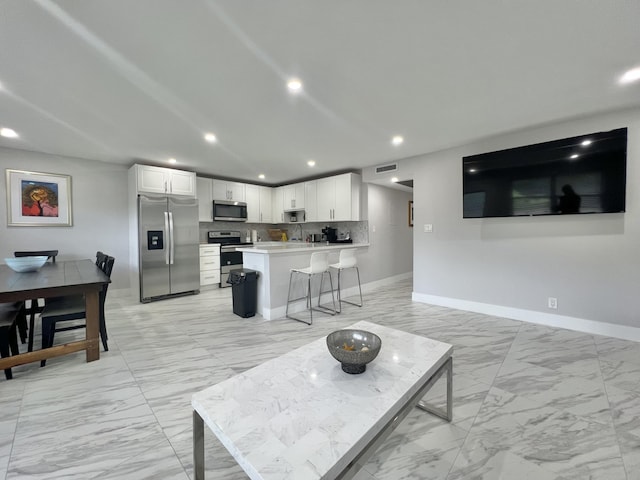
[{"x": 359, "y": 231}]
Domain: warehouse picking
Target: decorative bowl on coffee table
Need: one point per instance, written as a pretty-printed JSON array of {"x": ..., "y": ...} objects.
[{"x": 353, "y": 348}]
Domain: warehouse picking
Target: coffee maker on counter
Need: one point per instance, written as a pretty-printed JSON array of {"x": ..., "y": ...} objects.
[{"x": 329, "y": 234}]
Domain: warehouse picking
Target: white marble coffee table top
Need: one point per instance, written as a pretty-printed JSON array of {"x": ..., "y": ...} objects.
[{"x": 300, "y": 416}]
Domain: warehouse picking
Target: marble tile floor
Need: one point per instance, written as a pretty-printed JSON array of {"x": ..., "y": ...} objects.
[{"x": 530, "y": 402}]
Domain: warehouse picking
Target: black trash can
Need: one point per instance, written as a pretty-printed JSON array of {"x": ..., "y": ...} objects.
[{"x": 244, "y": 285}]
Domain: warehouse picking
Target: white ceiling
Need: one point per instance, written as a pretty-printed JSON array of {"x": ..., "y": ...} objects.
[{"x": 143, "y": 80}]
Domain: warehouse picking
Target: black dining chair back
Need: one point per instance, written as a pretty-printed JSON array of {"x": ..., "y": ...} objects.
[
  {"x": 65, "y": 309},
  {"x": 52, "y": 254},
  {"x": 34, "y": 304}
]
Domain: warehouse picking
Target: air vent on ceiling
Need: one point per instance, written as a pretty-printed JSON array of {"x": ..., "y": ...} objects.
[{"x": 387, "y": 168}]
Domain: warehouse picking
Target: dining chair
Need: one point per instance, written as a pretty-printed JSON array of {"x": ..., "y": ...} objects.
[
  {"x": 34, "y": 304},
  {"x": 10, "y": 315},
  {"x": 64, "y": 309}
]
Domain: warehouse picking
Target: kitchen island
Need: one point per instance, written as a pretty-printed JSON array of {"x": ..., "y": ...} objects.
[{"x": 274, "y": 261}]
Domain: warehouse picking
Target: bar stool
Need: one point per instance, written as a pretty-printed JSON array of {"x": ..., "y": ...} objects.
[
  {"x": 319, "y": 266},
  {"x": 347, "y": 260}
]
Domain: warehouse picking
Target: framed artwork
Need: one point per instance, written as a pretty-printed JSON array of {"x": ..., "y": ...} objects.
[
  {"x": 38, "y": 199},
  {"x": 411, "y": 213}
]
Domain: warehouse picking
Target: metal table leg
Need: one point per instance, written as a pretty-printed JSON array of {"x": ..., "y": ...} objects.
[
  {"x": 438, "y": 412},
  {"x": 198, "y": 446}
]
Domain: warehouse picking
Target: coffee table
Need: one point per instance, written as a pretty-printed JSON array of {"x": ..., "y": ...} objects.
[{"x": 300, "y": 416}]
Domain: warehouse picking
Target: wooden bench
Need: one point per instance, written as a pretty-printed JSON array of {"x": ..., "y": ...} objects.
[{"x": 10, "y": 314}]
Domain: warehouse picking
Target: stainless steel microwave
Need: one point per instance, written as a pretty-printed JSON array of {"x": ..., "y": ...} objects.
[{"x": 229, "y": 211}]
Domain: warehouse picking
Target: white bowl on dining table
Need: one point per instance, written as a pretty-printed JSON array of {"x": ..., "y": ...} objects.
[{"x": 26, "y": 264}]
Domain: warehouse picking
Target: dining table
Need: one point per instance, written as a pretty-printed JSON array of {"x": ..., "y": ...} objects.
[{"x": 62, "y": 278}]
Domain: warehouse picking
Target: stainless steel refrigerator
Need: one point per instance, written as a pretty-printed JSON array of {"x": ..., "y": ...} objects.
[{"x": 168, "y": 237}]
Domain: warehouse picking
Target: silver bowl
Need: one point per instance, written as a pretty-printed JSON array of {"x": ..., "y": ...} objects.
[
  {"x": 26, "y": 264},
  {"x": 353, "y": 348}
]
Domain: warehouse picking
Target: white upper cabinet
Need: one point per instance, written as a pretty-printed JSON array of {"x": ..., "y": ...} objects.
[
  {"x": 258, "y": 200},
  {"x": 311, "y": 201},
  {"x": 278, "y": 205},
  {"x": 338, "y": 198},
  {"x": 164, "y": 181},
  {"x": 266, "y": 208},
  {"x": 204, "y": 188},
  {"x": 224, "y": 190},
  {"x": 293, "y": 197},
  {"x": 252, "y": 196}
]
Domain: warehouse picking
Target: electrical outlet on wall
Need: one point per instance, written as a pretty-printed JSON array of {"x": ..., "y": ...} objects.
[
  {"x": 428, "y": 228},
  {"x": 552, "y": 302}
]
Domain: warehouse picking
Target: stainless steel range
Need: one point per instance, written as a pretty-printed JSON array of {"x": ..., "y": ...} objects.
[{"x": 230, "y": 259}]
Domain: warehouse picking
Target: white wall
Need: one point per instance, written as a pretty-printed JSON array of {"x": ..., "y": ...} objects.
[
  {"x": 99, "y": 203},
  {"x": 391, "y": 239},
  {"x": 590, "y": 263}
]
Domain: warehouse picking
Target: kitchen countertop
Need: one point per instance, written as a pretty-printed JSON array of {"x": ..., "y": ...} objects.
[{"x": 295, "y": 247}]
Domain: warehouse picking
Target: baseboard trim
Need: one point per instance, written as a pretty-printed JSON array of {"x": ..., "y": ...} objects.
[{"x": 531, "y": 316}]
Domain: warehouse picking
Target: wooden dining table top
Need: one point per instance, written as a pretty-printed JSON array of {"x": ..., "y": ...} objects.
[{"x": 52, "y": 279}]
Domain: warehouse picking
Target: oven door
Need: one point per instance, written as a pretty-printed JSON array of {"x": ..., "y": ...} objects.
[{"x": 229, "y": 260}]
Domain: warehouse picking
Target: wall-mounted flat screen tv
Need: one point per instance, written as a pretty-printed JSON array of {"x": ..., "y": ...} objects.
[{"x": 583, "y": 174}]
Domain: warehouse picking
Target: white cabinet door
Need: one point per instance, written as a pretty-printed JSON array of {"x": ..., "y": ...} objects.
[
  {"x": 293, "y": 197},
  {"x": 182, "y": 183},
  {"x": 342, "y": 205},
  {"x": 236, "y": 191},
  {"x": 299, "y": 195},
  {"x": 326, "y": 199},
  {"x": 161, "y": 180},
  {"x": 223, "y": 190},
  {"x": 258, "y": 198},
  {"x": 220, "y": 191},
  {"x": 266, "y": 210},
  {"x": 339, "y": 198},
  {"x": 278, "y": 205},
  {"x": 252, "y": 195},
  {"x": 205, "y": 204},
  {"x": 151, "y": 179},
  {"x": 288, "y": 197},
  {"x": 311, "y": 201}
]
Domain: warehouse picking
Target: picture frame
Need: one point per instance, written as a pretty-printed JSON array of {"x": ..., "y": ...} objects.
[
  {"x": 36, "y": 199},
  {"x": 410, "y": 215}
]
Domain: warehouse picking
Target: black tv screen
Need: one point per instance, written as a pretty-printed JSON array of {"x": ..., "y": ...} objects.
[{"x": 583, "y": 174}]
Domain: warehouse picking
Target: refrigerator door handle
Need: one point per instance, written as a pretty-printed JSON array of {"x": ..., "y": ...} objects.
[
  {"x": 171, "y": 242},
  {"x": 167, "y": 232}
]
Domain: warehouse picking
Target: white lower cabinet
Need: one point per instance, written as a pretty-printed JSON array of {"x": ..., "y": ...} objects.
[{"x": 209, "y": 265}]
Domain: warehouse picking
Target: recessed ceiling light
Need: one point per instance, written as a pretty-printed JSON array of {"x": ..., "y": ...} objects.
[
  {"x": 394, "y": 179},
  {"x": 586, "y": 143},
  {"x": 311, "y": 163},
  {"x": 472, "y": 170},
  {"x": 575, "y": 155},
  {"x": 397, "y": 140},
  {"x": 210, "y": 137},
  {"x": 261, "y": 176},
  {"x": 173, "y": 160},
  {"x": 8, "y": 132},
  {"x": 631, "y": 75},
  {"x": 294, "y": 85}
]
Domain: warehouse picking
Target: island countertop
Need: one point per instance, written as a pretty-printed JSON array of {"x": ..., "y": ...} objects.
[
  {"x": 271, "y": 248},
  {"x": 274, "y": 261}
]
